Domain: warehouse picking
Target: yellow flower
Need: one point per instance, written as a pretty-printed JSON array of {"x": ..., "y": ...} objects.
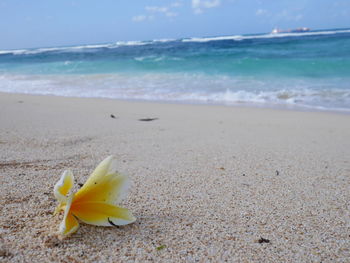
[{"x": 94, "y": 203}]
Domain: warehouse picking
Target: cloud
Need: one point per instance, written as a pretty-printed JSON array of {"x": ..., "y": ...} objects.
[
  {"x": 261, "y": 12},
  {"x": 290, "y": 15},
  {"x": 155, "y": 9},
  {"x": 141, "y": 18},
  {"x": 176, "y": 4},
  {"x": 199, "y": 5},
  {"x": 298, "y": 17},
  {"x": 171, "y": 14},
  {"x": 152, "y": 11}
]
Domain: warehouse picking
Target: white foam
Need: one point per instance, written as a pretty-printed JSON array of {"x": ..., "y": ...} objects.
[
  {"x": 70, "y": 48},
  {"x": 181, "y": 87},
  {"x": 207, "y": 39},
  {"x": 53, "y": 49},
  {"x": 280, "y": 35},
  {"x": 153, "y": 58},
  {"x": 14, "y": 52},
  {"x": 131, "y": 43},
  {"x": 141, "y": 43},
  {"x": 164, "y": 40}
]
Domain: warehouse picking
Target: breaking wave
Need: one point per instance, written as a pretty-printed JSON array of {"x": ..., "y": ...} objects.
[
  {"x": 87, "y": 48},
  {"x": 184, "y": 88}
]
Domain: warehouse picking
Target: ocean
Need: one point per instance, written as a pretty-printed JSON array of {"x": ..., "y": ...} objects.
[{"x": 307, "y": 71}]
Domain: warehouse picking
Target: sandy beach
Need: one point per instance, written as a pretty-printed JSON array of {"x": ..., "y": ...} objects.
[{"x": 210, "y": 183}]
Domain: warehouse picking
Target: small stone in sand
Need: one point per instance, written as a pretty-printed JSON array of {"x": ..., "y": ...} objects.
[
  {"x": 148, "y": 119},
  {"x": 263, "y": 240},
  {"x": 52, "y": 241},
  {"x": 4, "y": 253}
]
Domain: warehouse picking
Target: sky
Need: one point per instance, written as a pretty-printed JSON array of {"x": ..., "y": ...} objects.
[{"x": 47, "y": 23}]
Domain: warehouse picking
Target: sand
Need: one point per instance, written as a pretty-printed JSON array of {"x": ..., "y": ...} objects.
[{"x": 210, "y": 183}]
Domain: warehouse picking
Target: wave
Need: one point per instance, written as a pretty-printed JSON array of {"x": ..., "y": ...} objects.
[
  {"x": 83, "y": 47},
  {"x": 87, "y": 48},
  {"x": 72, "y": 48},
  {"x": 164, "y": 40},
  {"x": 53, "y": 49},
  {"x": 129, "y": 43},
  {"x": 279, "y": 35},
  {"x": 155, "y": 58},
  {"x": 183, "y": 88}
]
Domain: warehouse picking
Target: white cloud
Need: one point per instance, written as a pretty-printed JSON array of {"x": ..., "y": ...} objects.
[
  {"x": 171, "y": 14},
  {"x": 142, "y": 18},
  {"x": 152, "y": 11},
  {"x": 199, "y": 5},
  {"x": 139, "y": 18},
  {"x": 261, "y": 12},
  {"x": 290, "y": 15},
  {"x": 176, "y": 4},
  {"x": 155, "y": 9},
  {"x": 298, "y": 17}
]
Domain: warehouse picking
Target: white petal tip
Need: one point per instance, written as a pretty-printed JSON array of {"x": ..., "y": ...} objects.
[{"x": 63, "y": 186}]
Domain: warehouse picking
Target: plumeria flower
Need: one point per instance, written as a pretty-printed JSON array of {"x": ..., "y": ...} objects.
[{"x": 94, "y": 203}]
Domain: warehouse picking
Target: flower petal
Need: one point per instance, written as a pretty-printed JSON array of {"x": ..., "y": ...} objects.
[
  {"x": 102, "y": 214},
  {"x": 104, "y": 185},
  {"x": 104, "y": 168},
  {"x": 63, "y": 186},
  {"x": 69, "y": 223},
  {"x": 108, "y": 190}
]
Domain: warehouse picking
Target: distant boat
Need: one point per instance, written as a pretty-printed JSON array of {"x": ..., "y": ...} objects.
[{"x": 297, "y": 30}]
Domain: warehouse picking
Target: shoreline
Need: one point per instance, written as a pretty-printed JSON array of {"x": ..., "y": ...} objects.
[
  {"x": 210, "y": 183},
  {"x": 278, "y": 107}
]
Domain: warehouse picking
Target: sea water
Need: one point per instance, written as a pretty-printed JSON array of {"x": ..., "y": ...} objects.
[{"x": 296, "y": 70}]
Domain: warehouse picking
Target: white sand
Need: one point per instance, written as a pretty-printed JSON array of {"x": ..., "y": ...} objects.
[{"x": 205, "y": 181}]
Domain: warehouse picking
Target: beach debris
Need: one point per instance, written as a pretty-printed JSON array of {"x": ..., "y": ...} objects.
[
  {"x": 277, "y": 172},
  {"x": 243, "y": 174},
  {"x": 160, "y": 247},
  {"x": 222, "y": 168},
  {"x": 112, "y": 116},
  {"x": 263, "y": 240},
  {"x": 52, "y": 241},
  {"x": 94, "y": 202},
  {"x": 5, "y": 253},
  {"x": 148, "y": 119},
  {"x": 111, "y": 222}
]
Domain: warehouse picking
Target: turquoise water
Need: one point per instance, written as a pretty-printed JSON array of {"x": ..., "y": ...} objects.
[{"x": 299, "y": 70}]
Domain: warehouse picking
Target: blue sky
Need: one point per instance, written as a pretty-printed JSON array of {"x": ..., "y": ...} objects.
[{"x": 42, "y": 23}]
